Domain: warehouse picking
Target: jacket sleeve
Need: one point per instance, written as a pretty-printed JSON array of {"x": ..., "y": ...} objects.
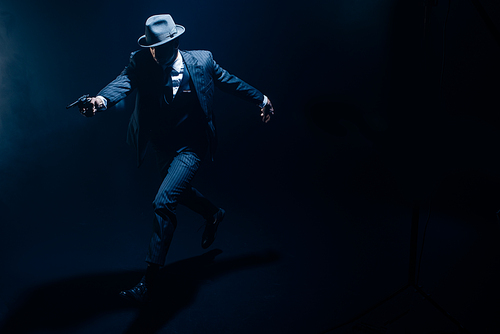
[
  {"x": 233, "y": 85},
  {"x": 123, "y": 85}
]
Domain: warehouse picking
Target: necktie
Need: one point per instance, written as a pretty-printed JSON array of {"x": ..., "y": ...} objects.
[{"x": 168, "y": 92}]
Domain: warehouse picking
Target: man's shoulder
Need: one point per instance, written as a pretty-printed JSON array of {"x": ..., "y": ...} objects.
[
  {"x": 197, "y": 52},
  {"x": 200, "y": 55},
  {"x": 141, "y": 59},
  {"x": 140, "y": 54}
]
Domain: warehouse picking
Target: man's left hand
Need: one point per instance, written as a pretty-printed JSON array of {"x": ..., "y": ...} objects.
[{"x": 267, "y": 111}]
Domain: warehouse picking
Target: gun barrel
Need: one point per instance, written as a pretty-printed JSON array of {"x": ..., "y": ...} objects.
[{"x": 80, "y": 100}]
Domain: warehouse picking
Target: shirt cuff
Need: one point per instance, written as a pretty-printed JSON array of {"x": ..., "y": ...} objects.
[
  {"x": 104, "y": 105},
  {"x": 264, "y": 102}
]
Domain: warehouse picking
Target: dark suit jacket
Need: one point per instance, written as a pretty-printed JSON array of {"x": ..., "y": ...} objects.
[{"x": 145, "y": 75}]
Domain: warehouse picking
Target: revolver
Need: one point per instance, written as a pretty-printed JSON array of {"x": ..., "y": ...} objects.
[{"x": 83, "y": 103}]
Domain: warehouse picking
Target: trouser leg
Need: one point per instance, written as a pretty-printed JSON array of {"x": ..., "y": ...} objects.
[
  {"x": 195, "y": 201},
  {"x": 177, "y": 180}
]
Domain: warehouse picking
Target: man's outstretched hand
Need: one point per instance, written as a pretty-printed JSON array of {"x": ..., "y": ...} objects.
[
  {"x": 93, "y": 105},
  {"x": 267, "y": 111}
]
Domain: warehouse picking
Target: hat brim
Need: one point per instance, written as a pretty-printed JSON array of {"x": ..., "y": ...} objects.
[{"x": 142, "y": 40}]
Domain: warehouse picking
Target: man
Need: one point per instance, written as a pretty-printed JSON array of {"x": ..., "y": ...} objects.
[{"x": 173, "y": 113}]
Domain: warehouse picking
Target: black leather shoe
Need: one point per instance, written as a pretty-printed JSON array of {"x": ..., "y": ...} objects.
[
  {"x": 211, "y": 229},
  {"x": 138, "y": 293}
]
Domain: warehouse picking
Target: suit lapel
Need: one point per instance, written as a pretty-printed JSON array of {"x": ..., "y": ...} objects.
[
  {"x": 195, "y": 70},
  {"x": 198, "y": 77}
]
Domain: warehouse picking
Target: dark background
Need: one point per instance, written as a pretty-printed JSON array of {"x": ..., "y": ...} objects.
[{"x": 371, "y": 118}]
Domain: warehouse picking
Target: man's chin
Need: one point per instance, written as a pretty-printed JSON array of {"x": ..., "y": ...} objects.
[{"x": 164, "y": 62}]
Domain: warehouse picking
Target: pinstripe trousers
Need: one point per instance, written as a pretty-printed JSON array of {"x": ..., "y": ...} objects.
[{"x": 178, "y": 172}]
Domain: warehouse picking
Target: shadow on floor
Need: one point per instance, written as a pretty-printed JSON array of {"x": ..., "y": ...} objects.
[{"x": 68, "y": 303}]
